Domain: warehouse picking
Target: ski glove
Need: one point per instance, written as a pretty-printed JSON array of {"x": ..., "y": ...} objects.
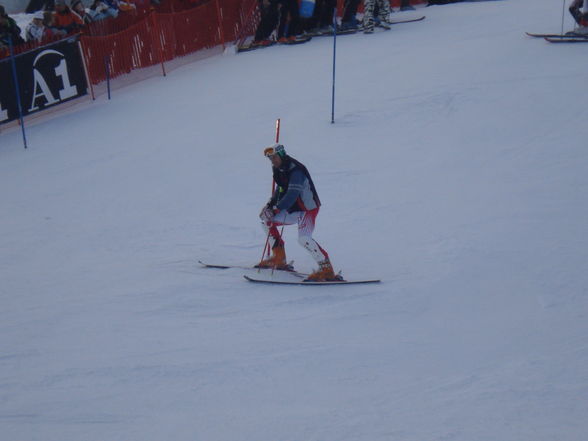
[{"x": 267, "y": 213}]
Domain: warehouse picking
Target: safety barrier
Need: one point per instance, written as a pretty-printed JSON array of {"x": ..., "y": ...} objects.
[{"x": 161, "y": 37}]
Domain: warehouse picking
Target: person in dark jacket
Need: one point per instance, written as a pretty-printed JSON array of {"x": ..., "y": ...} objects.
[
  {"x": 78, "y": 7},
  {"x": 295, "y": 201},
  {"x": 8, "y": 30}
]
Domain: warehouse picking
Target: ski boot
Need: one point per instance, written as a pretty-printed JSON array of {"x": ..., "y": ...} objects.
[
  {"x": 324, "y": 273},
  {"x": 277, "y": 260}
]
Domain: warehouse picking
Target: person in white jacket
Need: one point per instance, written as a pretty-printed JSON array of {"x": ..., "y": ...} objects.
[{"x": 36, "y": 30}]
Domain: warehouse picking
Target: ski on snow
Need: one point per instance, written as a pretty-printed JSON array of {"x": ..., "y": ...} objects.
[
  {"x": 311, "y": 283},
  {"x": 544, "y": 35},
  {"x": 407, "y": 21},
  {"x": 561, "y": 38},
  {"x": 567, "y": 40},
  {"x": 246, "y": 267},
  {"x": 360, "y": 28}
]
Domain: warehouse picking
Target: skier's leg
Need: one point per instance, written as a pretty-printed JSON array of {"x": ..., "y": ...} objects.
[
  {"x": 278, "y": 257},
  {"x": 368, "y": 16},
  {"x": 326, "y": 19},
  {"x": 384, "y": 11},
  {"x": 269, "y": 21},
  {"x": 305, "y": 228},
  {"x": 348, "y": 21},
  {"x": 294, "y": 23},
  {"x": 306, "y": 224}
]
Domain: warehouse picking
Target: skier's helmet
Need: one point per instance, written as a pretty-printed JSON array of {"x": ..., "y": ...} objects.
[{"x": 276, "y": 149}]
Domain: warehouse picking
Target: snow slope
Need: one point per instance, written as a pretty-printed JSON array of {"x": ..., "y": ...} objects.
[{"x": 455, "y": 171}]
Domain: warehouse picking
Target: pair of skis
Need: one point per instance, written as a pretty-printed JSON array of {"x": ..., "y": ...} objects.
[
  {"x": 300, "y": 276},
  {"x": 561, "y": 38}
]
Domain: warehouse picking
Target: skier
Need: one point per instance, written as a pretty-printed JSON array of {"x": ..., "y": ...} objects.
[
  {"x": 295, "y": 201},
  {"x": 579, "y": 10}
]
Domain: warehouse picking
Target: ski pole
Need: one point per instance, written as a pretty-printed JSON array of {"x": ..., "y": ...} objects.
[
  {"x": 563, "y": 14},
  {"x": 17, "y": 90},
  {"x": 334, "y": 65},
  {"x": 274, "y": 182},
  {"x": 266, "y": 247}
]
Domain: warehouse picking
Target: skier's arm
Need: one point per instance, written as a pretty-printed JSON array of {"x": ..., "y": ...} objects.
[
  {"x": 274, "y": 199},
  {"x": 295, "y": 187}
]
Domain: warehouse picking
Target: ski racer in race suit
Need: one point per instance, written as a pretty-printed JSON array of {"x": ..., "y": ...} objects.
[
  {"x": 579, "y": 10},
  {"x": 295, "y": 201}
]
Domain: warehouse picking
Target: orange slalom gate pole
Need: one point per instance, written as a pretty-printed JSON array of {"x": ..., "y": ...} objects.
[{"x": 266, "y": 247}]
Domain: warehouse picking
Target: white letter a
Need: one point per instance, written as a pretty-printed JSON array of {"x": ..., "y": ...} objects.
[{"x": 45, "y": 91}]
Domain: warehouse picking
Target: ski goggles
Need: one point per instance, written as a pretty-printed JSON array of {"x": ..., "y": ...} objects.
[{"x": 274, "y": 150}]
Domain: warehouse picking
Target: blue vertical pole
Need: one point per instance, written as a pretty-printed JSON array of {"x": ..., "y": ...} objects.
[
  {"x": 17, "y": 87},
  {"x": 334, "y": 59}
]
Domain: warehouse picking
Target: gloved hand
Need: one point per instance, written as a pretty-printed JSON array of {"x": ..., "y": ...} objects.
[{"x": 267, "y": 213}]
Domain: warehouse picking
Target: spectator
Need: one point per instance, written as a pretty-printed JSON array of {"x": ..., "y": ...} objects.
[
  {"x": 65, "y": 19},
  {"x": 282, "y": 14},
  {"x": 49, "y": 22},
  {"x": 101, "y": 9},
  {"x": 126, "y": 6},
  {"x": 348, "y": 21},
  {"x": 8, "y": 30},
  {"x": 368, "y": 15},
  {"x": 78, "y": 8},
  {"x": 39, "y": 5},
  {"x": 579, "y": 10},
  {"x": 289, "y": 23},
  {"x": 36, "y": 30},
  {"x": 120, "y": 5},
  {"x": 322, "y": 19}
]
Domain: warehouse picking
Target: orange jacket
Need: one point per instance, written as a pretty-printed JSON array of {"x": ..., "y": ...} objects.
[{"x": 67, "y": 20}]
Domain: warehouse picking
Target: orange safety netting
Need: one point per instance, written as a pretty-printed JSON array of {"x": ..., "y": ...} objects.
[{"x": 161, "y": 37}]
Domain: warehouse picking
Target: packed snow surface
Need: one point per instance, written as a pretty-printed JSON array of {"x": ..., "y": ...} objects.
[{"x": 456, "y": 172}]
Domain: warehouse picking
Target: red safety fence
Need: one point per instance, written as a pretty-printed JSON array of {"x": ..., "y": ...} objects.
[
  {"x": 121, "y": 53},
  {"x": 161, "y": 37},
  {"x": 187, "y": 32}
]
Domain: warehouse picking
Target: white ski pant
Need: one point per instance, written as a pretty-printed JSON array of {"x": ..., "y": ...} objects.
[{"x": 305, "y": 221}]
